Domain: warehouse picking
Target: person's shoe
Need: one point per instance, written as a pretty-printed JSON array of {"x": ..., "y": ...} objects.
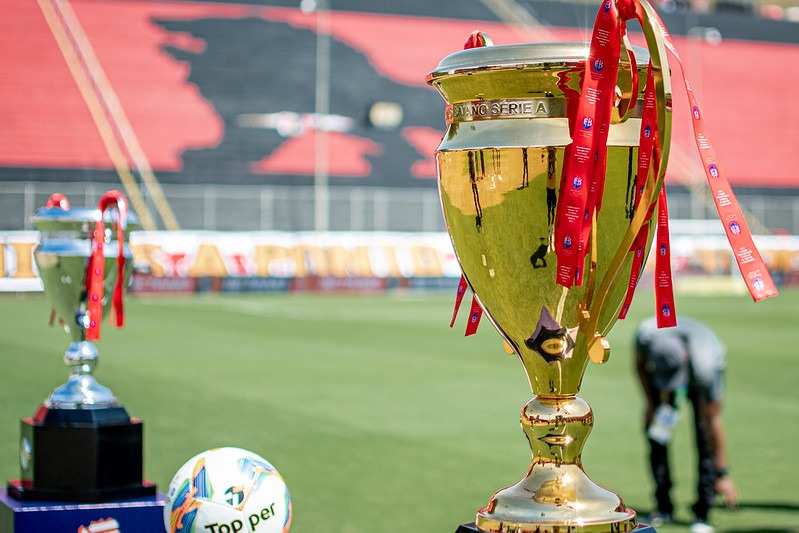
[
  {"x": 657, "y": 519},
  {"x": 702, "y": 527}
]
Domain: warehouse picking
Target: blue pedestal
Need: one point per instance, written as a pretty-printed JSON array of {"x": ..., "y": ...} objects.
[{"x": 141, "y": 515}]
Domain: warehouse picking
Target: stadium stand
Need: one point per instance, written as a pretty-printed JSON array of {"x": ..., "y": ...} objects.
[{"x": 222, "y": 100}]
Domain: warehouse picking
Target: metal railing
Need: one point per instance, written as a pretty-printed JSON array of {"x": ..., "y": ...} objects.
[
  {"x": 248, "y": 208},
  {"x": 275, "y": 208}
]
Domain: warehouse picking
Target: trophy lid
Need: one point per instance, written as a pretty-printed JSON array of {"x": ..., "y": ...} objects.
[
  {"x": 524, "y": 56},
  {"x": 81, "y": 219}
]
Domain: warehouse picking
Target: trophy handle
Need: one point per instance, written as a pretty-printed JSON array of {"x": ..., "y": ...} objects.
[{"x": 628, "y": 96}]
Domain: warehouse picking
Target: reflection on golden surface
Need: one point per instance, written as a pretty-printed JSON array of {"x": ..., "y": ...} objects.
[
  {"x": 487, "y": 183},
  {"x": 499, "y": 205},
  {"x": 556, "y": 495},
  {"x": 558, "y": 491}
]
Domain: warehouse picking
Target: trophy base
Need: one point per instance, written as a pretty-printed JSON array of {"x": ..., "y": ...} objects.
[
  {"x": 81, "y": 391},
  {"x": 472, "y": 528},
  {"x": 81, "y": 455}
]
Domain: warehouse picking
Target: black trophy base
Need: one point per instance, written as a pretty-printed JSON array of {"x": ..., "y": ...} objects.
[
  {"x": 471, "y": 528},
  {"x": 81, "y": 455}
]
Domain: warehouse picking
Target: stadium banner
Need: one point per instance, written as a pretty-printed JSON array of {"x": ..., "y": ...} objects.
[
  {"x": 195, "y": 261},
  {"x": 185, "y": 262},
  {"x": 18, "y": 270},
  {"x": 141, "y": 282}
]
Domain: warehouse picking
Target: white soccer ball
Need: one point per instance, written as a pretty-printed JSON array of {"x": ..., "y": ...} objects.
[{"x": 227, "y": 490}]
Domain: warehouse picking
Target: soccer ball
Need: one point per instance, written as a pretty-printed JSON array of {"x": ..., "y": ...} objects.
[{"x": 227, "y": 490}]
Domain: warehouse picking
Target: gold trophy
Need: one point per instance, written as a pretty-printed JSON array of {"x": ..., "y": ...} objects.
[{"x": 499, "y": 167}]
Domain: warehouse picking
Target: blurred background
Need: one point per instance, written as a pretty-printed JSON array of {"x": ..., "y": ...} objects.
[
  {"x": 314, "y": 115},
  {"x": 285, "y": 149}
]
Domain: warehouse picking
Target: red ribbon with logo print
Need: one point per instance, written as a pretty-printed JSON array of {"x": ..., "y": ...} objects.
[
  {"x": 586, "y": 161},
  {"x": 582, "y": 181},
  {"x": 664, "y": 287},
  {"x": 586, "y": 158},
  {"x": 645, "y": 149},
  {"x": 475, "y": 313},
  {"x": 584, "y": 170},
  {"x": 96, "y": 270},
  {"x": 648, "y": 154},
  {"x": 750, "y": 263},
  {"x": 458, "y": 299}
]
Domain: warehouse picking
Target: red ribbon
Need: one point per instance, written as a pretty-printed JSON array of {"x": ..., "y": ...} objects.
[
  {"x": 586, "y": 157},
  {"x": 664, "y": 290},
  {"x": 96, "y": 271},
  {"x": 584, "y": 170},
  {"x": 475, "y": 313},
  {"x": 458, "y": 299},
  {"x": 647, "y": 154},
  {"x": 753, "y": 268}
]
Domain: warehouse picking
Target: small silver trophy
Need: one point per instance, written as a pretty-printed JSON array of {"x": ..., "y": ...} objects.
[
  {"x": 81, "y": 445},
  {"x": 65, "y": 257}
]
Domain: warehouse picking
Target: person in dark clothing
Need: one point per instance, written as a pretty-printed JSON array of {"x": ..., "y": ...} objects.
[{"x": 673, "y": 364}]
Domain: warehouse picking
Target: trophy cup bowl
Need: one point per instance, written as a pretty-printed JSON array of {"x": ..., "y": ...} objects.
[
  {"x": 499, "y": 166},
  {"x": 81, "y": 445}
]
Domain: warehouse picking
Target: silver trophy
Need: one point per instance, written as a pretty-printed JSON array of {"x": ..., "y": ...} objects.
[
  {"x": 63, "y": 257},
  {"x": 81, "y": 445}
]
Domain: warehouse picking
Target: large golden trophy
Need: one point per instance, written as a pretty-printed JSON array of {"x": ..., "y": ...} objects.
[{"x": 509, "y": 110}]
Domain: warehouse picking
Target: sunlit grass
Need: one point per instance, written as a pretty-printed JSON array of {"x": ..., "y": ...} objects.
[{"x": 382, "y": 419}]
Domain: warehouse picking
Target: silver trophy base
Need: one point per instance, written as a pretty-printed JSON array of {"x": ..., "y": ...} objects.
[{"x": 81, "y": 391}]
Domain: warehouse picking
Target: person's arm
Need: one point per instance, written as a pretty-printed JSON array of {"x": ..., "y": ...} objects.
[
  {"x": 643, "y": 377},
  {"x": 718, "y": 446}
]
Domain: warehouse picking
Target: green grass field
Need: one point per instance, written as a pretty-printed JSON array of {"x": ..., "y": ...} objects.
[{"x": 382, "y": 419}]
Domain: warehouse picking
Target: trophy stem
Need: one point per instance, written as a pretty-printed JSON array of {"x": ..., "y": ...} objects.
[
  {"x": 81, "y": 357},
  {"x": 81, "y": 389},
  {"x": 556, "y": 494}
]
